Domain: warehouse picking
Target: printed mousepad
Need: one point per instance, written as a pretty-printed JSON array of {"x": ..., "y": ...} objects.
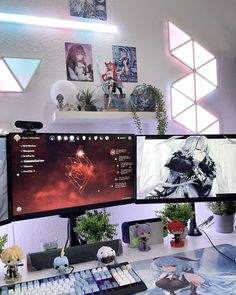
[{"x": 200, "y": 272}]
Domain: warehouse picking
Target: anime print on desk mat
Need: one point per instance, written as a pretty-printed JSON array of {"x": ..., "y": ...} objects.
[{"x": 199, "y": 272}]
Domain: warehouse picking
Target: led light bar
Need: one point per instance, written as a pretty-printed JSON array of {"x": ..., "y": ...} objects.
[{"x": 56, "y": 23}]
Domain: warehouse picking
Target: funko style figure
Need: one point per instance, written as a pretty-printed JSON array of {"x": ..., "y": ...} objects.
[
  {"x": 61, "y": 264},
  {"x": 143, "y": 233},
  {"x": 106, "y": 256},
  {"x": 12, "y": 258},
  {"x": 176, "y": 228},
  {"x": 175, "y": 274},
  {"x": 191, "y": 171}
]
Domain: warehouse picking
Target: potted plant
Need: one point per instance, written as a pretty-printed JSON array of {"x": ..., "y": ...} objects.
[
  {"x": 223, "y": 215},
  {"x": 95, "y": 226},
  {"x": 157, "y": 101},
  {"x": 3, "y": 240},
  {"x": 176, "y": 211},
  {"x": 86, "y": 96}
]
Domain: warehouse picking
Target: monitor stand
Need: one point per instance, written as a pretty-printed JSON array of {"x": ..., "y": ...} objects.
[
  {"x": 73, "y": 239},
  {"x": 193, "y": 229}
]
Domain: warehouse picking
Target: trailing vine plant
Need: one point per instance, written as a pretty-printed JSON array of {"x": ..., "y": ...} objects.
[{"x": 160, "y": 111}]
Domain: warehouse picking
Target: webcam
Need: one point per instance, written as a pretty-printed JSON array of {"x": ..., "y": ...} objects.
[{"x": 29, "y": 127}]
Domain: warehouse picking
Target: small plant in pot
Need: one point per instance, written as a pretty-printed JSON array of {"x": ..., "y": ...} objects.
[
  {"x": 223, "y": 215},
  {"x": 176, "y": 211},
  {"x": 86, "y": 95},
  {"x": 95, "y": 226}
]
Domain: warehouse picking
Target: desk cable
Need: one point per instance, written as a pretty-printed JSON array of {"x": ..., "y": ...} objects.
[{"x": 207, "y": 223}]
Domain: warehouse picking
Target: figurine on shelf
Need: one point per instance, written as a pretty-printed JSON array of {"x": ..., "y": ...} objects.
[
  {"x": 111, "y": 78},
  {"x": 12, "y": 258},
  {"x": 61, "y": 264},
  {"x": 60, "y": 99},
  {"x": 106, "y": 256},
  {"x": 143, "y": 233},
  {"x": 176, "y": 228}
]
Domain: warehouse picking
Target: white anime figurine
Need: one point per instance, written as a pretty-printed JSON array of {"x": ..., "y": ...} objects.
[
  {"x": 106, "y": 256},
  {"x": 12, "y": 258}
]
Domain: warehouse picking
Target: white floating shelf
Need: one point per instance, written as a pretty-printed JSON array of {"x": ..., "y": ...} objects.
[{"x": 71, "y": 117}]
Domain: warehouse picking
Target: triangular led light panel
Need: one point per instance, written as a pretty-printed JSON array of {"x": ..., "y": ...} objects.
[
  {"x": 179, "y": 102},
  {"x": 201, "y": 55},
  {"x": 209, "y": 71},
  {"x": 203, "y": 87},
  {"x": 23, "y": 69},
  {"x": 188, "y": 119},
  {"x": 186, "y": 86},
  {"x": 185, "y": 54},
  {"x": 204, "y": 118},
  {"x": 176, "y": 36},
  {"x": 213, "y": 129},
  {"x": 8, "y": 82}
]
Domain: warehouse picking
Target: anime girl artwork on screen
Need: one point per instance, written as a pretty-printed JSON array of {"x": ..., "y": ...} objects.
[
  {"x": 200, "y": 272},
  {"x": 183, "y": 167}
]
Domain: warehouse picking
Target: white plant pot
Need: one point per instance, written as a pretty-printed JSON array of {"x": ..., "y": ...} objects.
[{"x": 224, "y": 223}]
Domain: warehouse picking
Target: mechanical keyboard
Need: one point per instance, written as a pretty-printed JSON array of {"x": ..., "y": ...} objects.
[{"x": 118, "y": 279}]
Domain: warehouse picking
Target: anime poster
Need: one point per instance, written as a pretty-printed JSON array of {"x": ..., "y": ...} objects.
[
  {"x": 204, "y": 271},
  {"x": 92, "y": 9},
  {"x": 126, "y": 63},
  {"x": 79, "y": 62},
  {"x": 184, "y": 167}
]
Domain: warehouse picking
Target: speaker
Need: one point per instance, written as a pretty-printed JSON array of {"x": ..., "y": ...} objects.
[
  {"x": 29, "y": 125},
  {"x": 76, "y": 254}
]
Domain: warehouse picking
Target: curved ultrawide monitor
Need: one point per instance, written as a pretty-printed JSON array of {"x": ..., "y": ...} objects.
[
  {"x": 4, "y": 200},
  {"x": 192, "y": 168},
  {"x": 63, "y": 173}
]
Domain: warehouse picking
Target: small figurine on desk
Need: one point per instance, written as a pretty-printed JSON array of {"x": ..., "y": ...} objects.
[
  {"x": 106, "y": 256},
  {"x": 12, "y": 257},
  {"x": 61, "y": 264},
  {"x": 143, "y": 233},
  {"x": 176, "y": 228}
]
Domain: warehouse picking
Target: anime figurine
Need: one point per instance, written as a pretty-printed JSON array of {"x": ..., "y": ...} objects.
[
  {"x": 143, "y": 233},
  {"x": 60, "y": 99},
  {"x": 191, "y": 171},
  {"x": 61, "y": 264},
  {"x": 175, "y": 274},
  {"x": 176, "y": 228},
  {"x": 111, "y": 78},
  {"x": 106, "y": 256},
  {"x": 12, "y": 257}
]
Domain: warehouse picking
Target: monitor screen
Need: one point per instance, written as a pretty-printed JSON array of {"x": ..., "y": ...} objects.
[
  {"x": 4, "y": 201},
  {"x": 185, "y": 168},
  {"x": 65, "y": 173}
]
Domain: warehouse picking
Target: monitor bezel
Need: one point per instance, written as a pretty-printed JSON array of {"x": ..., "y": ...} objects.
[
  {"x": 77, "y": 210},
  {"x": 8, "y": 220},
  {"x": 218, "y": 197}
]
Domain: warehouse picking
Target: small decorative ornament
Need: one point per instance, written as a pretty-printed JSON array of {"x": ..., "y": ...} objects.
[
  {"x": 143, "y": 233},
  {"x": 106, "y": 256},
  {"x": 61, "y": 264},
  {"x": 176, "y": 228},
  {"x": 12, "y": 258}
]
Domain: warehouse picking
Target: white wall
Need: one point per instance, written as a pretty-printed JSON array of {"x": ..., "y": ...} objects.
[{"x": 142, "y": 24}]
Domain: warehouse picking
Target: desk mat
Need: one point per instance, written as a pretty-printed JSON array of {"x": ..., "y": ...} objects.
[{"x": 200, "y": 272}]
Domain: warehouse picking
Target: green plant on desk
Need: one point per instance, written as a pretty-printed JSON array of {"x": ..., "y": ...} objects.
[
  {"x": 95, "y": 226},
  {"x": 176, "y": 211},
  {"x": 222, "y": 208},
  {"x": 3, "y": 240}
]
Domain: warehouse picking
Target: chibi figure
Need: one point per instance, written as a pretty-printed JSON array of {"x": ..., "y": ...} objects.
[
  {"x": 143, "y": 233},
  {"x": 175, "y": 274},
  {"x": 12, "y": 257},
  {"x": 191, "y": 171},
  {"x": 61, "y": 264},
  {"x": 106, "y": 256},
  {"x": 176, "y": 228}
]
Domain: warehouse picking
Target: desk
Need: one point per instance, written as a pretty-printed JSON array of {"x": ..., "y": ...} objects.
[{"x": 131, "y": 255}]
